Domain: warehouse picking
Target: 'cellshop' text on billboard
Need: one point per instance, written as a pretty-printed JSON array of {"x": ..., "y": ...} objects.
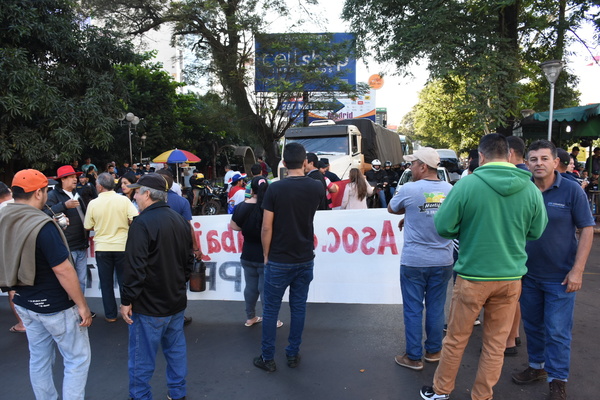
[{"x": 308, "y": 59}]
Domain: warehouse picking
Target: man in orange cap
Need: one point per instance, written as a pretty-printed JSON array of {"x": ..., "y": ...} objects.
[
  {"x": 64, "y": 199},
  {"x": 35, "y": 261}
]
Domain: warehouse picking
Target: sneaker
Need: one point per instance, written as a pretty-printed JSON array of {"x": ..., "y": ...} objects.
[
  {"x": 477, "y": 322},
  {"x": 267, "y": 365},
  {"x": 404, "y": 361},
  {"x": 558, "y": 390},
  {"x": 170, "y": 398},
  {"x": 293, "y": 361},
  {"x": 530, "y": 375},
  {"x": 428, "y": 393},
  {"x": 433, "y": 357}
]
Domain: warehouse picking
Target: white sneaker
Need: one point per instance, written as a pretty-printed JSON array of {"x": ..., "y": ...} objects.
[{"x": 428, "y": 393}]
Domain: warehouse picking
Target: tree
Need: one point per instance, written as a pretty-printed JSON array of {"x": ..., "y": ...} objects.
[
  {"x": 221, "y": 34},
  {"x": 59, "y": 91},
  {"x": 490, "y": 45}
]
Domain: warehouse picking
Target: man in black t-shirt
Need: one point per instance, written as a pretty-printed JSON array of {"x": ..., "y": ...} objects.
[
  {"x": 48, "y": 296},
  {"x": 287, "y": 239}
]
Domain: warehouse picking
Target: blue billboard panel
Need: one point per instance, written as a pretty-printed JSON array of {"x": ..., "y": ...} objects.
[{"x": 304, "y": 62}]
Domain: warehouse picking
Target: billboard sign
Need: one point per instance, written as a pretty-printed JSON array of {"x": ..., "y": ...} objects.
[{"x": 310, "y": 61}]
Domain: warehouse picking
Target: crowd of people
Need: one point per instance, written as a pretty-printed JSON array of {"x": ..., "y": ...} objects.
[{"x": 515, "y": 233}]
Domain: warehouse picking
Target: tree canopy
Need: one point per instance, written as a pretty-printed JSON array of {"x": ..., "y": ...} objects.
[
  {"x": 221, "y": 36},
  {"x": 490, "y": 46},
  {"x": 59, "y": 91}
]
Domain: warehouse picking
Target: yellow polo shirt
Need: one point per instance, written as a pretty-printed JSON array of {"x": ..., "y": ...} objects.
[{"x": 109, "y": 216}]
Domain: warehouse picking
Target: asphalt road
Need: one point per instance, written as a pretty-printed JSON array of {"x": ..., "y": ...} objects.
[{"x": 348, "y": 353}]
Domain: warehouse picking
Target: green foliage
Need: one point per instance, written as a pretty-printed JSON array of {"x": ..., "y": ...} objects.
[
  {"x": 490, "y": 45},
  {"x": 59, "y": 90},
  {"x": 443, "y": 118},
  {"x": 221, "y": 37}
]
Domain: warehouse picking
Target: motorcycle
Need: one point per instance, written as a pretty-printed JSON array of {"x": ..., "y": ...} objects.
[{"x": 209, "y": 199}]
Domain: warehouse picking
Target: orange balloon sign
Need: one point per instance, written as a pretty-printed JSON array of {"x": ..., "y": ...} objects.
[{"x": 376, "y": 81}]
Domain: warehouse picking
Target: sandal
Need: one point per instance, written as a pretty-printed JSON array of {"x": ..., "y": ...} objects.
[
  {"x": 254, "y": 320},
  {"x": 15, "y": 330}
]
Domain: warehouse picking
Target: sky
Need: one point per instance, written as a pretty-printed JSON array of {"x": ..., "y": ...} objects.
[{"x": 400, "y": 94}]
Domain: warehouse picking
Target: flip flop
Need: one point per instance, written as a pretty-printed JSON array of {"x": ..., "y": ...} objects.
[
  {"x": 15, "y": 330},
  {"x": 257, "y": 320}
]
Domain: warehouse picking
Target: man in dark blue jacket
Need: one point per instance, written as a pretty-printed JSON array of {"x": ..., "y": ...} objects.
[{"x": 159, "y": 258}]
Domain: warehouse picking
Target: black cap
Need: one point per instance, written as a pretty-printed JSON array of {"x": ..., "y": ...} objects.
[
  {"x": 325, "y": 161},
  {"x": 152, "y": 181},
  {"x": 565, "y": 158}
]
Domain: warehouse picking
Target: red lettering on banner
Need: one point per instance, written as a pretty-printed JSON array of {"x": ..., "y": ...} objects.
[
  {"x": 364, "y": 244},
  {"x": 212, "y": 240},
  {"x": 227, "y": 240},
  {"x": 346, "y": 234},
  {"x": 387, "y": 239},
  {"x": 240, "y": 240},
  {"x": 334, "y": 247}
]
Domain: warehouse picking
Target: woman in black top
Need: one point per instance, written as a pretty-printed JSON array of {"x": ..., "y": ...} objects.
[{"x": 247, "y": 217}]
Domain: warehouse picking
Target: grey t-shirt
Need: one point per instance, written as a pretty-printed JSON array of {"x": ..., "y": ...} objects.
[{"x": 423, "y": 247}]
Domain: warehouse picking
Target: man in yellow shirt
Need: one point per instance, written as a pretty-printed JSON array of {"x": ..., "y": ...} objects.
[{"x": 109, "y": 216}]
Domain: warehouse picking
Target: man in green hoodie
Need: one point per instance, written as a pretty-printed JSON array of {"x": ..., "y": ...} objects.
[{"x": 493, "y": 211}]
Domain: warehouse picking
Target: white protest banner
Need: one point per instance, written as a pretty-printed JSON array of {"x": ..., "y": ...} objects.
[{"x": 357, "y": 258}]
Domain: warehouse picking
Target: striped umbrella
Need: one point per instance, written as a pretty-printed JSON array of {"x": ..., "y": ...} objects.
[{"x": 176, "y": 156}]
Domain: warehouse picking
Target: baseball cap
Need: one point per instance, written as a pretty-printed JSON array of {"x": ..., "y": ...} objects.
[
  {"x": 237, "y": 177},
  {"x": 427, "y": 155},
  {"x": 152, "y": 181},
  {"x": 29, "y": 180},
  {"x": 564, "y": 157}
]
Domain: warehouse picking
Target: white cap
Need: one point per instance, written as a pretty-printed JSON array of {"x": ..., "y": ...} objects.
[{"x": 427, "y": 155}]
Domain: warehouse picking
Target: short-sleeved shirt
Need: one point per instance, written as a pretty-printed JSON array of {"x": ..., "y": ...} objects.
[
  {"x": 109, "y": 216},
  {"x": 423, "y": 246},
  {"x": 244, "y": 217},
  {"x": 46, "y": 295},
  {"x": 551, "y": 257},
  {"x": 294, "y": 201}
]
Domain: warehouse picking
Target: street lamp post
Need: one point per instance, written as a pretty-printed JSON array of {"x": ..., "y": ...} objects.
[
  {"x": 143, "y": 142},
  {"x": 551, "y": 69},
  {"x": 131, "y": 120}
]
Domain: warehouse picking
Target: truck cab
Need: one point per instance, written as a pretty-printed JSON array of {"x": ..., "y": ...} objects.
[{"x": 341, "y": 144}]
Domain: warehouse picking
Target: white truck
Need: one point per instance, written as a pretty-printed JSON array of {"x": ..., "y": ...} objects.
[{"x": 347, "y": 144}]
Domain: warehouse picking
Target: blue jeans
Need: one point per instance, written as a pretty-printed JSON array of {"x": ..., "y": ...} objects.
[
  {"x": 145, "y": 335},
  {"x": 382, "y": 199},
  {"x": 547, "y": 312},
  {"x": 254, "y": 275},
  {"x": 44, "y": 333},
  {"x": 80, "y": 261},
  {"x": 109, "y": 262},
  {"x": 277, "y": 278},
  {"x": 429, "y": 284}
]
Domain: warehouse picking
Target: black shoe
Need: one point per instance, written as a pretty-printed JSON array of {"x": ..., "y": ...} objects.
[
  {"x": 170, "y": 398},
  {"x": 293, "y": 361},
  {"x": 518, "y": 341},
  {"x": 187, "y": 321},
  {"x": 511, "y": 352},
  {"x": 530, "y": 375},
  {"x": 93, "y": 314},
  {"x": 268, "y": 365}
]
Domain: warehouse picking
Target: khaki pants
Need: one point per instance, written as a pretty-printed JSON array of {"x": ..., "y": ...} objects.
[{"x": 499, "y": 300}]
